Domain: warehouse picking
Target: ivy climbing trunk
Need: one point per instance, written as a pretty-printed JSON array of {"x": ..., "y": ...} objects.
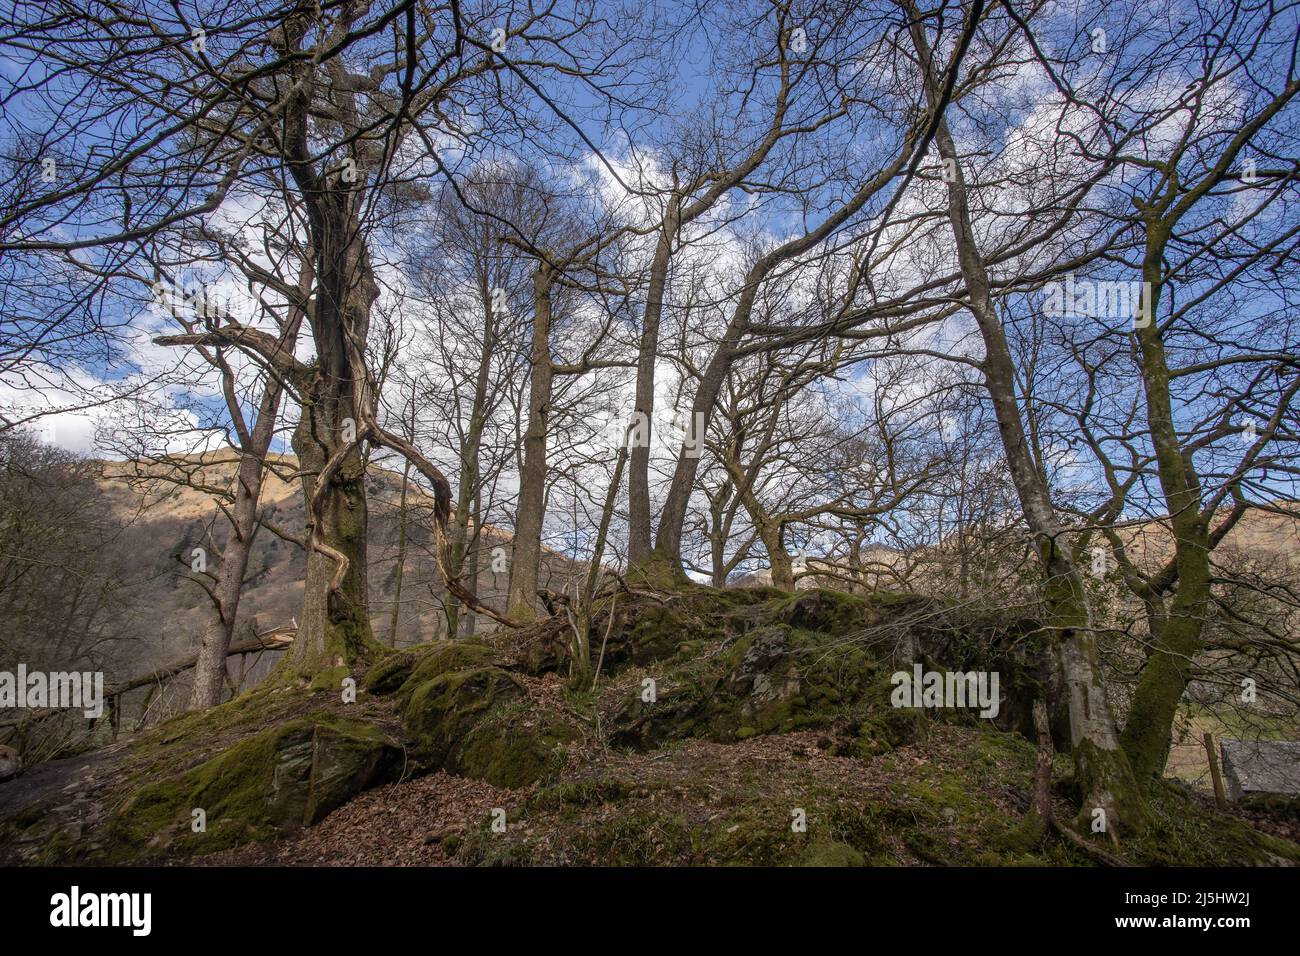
[{"x": 334, "y": 629}]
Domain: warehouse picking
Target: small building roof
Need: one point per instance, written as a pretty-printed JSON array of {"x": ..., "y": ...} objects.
[{"x": 1261, "y": 766}]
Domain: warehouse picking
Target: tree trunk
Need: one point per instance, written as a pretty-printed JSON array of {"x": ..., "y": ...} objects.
[
  {"x": 638, "y": 480},
  {"x": 1102, "y": 770},
  {"x": 672, "y": 520},
  {"x": 399, "y": 570},
  {"x": 1177, "y": 634},
  {"x": 334, "y": 628},
  {"x": 210, "y": 665},
  {"x": 468, "y": 624},
  {"x": 779, "y": 558},
  {"x": 527, "y": 551},
  {"x": 467, "y": 482}
]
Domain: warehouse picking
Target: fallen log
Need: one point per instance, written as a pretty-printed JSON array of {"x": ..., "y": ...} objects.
[
  {"x": 271, "y": 641},
  {"x": 274, "y": 640}
]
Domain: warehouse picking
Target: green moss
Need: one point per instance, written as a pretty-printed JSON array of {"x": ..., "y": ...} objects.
[
  {"x": 582, "y": 793},
  {"x": 444, "y": 709},
  {"x": 770, "y": 678},
  {"x": 388, "y": 674},
  {"x": 258, "y": 705},
  {"x": 611, "y": 822},
  {"x": 288, "y": 776},
  {"x": 1024, "y": 837},
  {"x": 1273, "y": 803},
  {"x": 1108, "y": 771},
  {"x": 659, "y": 573},
  {"x": 348, "y": 637},
  {"x": 832, "y": 854},
  {"x": 477, "y": 723},
  {"x": 330, "y": 679},
  {"x": 442, "y": 657},
  {"x": 1184, "y": 832},
  {"x": 885, "y": 728},
  {"x": 509, "y": 762}
]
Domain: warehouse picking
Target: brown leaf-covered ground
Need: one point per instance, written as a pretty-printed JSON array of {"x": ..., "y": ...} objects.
[{"x": 729, "y": 799}]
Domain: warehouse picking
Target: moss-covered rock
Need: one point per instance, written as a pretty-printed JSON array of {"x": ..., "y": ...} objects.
[
  {"x": 506, "y": 756},
  {"x": 831, "y": 612},
  {"x": 330, "y": 679},
  {"x": 880, "y": 729},
  {"x": 608, "y": 822},
  {"x": 1184, "y": 830},
  {"x": 443, "y": 710},
  {"x": 389, "y": 673},
  {"x": 1275, "y": 804},
  {"x": 774, "y": 678},
  {"x": 286, "y": 777},
  {"x": 442, "y": 657},
  {"x": 477, "y": 723}
]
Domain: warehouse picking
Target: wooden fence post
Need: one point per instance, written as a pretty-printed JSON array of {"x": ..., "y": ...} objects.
[{"x": 1220, "y": 799}]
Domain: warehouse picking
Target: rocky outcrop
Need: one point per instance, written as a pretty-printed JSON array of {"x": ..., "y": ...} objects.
[
  {"x": 465, "y": 715},
  {"x": 288, "y": 776}
]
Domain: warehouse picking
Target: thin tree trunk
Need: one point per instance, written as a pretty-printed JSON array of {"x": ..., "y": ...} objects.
[
  {"x": 400, "y": 569},
  {"x": 672, "y": 520},
  {"x": 467, "y": 483},
  {"x": 638, "y": 482},
  {"x": 529, "y": 516},
  {"x": 210, "y": 664},
  {"x": 1177, "y": 634},
  {"x": 468, "y": 624}
]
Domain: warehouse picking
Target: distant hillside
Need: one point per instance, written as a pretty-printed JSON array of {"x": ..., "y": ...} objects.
[
  {"x": 165, "y": 521},
  {"x": 1260, "y": 538}
]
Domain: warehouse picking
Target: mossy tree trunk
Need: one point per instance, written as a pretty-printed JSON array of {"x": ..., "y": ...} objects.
[
  {"x": 1176, "y": 630},
  {"x": 337, "y": 405},
  {"x": 1102, "y": 770},
  {"x": 334, "y": 626}
]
